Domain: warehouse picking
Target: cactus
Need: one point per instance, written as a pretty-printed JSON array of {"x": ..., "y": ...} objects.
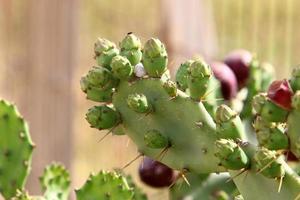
[
  {"x": 15, "y": 148},
  {"x": 177, "y": 124},
  {"x": 107, "y": 185}
]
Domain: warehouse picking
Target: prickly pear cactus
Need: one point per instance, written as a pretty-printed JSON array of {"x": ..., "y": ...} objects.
[
  {"x": 181, "y": 125},
  {"x": 107, "y": 185},
  {"x": 15, "y": 149},
  {"x": 55, "y": 182}
]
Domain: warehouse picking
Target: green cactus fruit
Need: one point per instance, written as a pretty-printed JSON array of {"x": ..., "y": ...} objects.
[
  {"x": 55, "y": 182},
  {"x": 229, "y": 124},
  {"x": 170, "y": 88},
  {"x": 155, "y": 57},
  {"x": 105, "y": 58},
  {"x": 15, "y": 149},
  {"x": 295, "y": 79},
  {"x": 95, "y": 93},
  {"x": 138, "y": 103},
  {"x": 131, "y": 48},
  {"x": 155, "y": 139},
  {"x": 294, "y": 125},
  {"x": 231, "y": 155},
  {"x": 99, "y": 77},
  {"x": 268, "y": 110},
  {"x": 102, "y": 117},
  {"x": 182, "y": 75},
  {"x": 270, "y": 135},
  {"x": 198, "y": 79},
  {"x": 105, "y": 185},
  {"x": 121, "y": 67},
  {"x": 265, "y": 161},
  {"x": 102, "y": 45},
  {"x": 105, "y": 50}
]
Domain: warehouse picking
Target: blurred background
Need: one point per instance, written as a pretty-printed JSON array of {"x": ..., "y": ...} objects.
[{"x": 46, "y": 45}]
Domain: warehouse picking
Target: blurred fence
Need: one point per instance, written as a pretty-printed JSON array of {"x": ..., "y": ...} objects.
[{"x": 45, "y": 46}]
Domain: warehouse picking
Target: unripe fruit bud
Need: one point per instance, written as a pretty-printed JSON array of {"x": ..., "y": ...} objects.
[
  {"x": 266, "y": 161},
  {"x": 239, "y": 61},
  {"x": 121, "y": 67},
  {"x": 231, "y": 155},
  {"x": 154, "y": 139},
  {"x": 102, "y": 117},
  {"x": 281, "y": 94},
  {"x": 100, "y": 77},
  {"x": 182, "y": 75},
  {"x": 224, "y": 114},
  {"x": 131, "y": 48},
  {"x": 268, "y": 110},
  {"x": 102, "y": 45},
  {"x": 138, "y": 103},
  {"x": 155, "y": 58},
  {"x": 156, "y": 174},
  {"x": 296, "y": 101},
  {"x": 198, "y": 79},
  {"x": 105, "y": 58},
  {"x": 170, "y": 88}
]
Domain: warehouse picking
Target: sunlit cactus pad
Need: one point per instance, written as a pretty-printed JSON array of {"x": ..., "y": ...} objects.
[{"x": 15, "y": 150}]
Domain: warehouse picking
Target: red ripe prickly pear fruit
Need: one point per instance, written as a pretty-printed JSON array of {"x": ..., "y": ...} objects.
[
  {"x": 239, "y": 61},
  {"x": 156, "y": 174},
  {"x": 227, "y": 79},
  {"x": 291, "y": 157},
  {"x": 281, "y": 94}
]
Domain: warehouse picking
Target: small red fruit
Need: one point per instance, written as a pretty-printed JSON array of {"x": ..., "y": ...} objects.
[
  {"x": 239, "y": 61},
  {"x": 227, "y": 79},
  {"x": 281, "y": 94},
  {"x": 156, "y": 174}
]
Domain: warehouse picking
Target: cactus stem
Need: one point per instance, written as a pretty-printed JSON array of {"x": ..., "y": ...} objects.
[{"x": 132, "y": 161}]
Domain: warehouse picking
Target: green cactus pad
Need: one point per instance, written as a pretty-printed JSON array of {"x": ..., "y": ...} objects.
[
  {"x": 105, "y": 185},
  {"x": 55, "y": 182},
  {"x": 154, "y": 139},
  {"x": 195, "y": 125},
  {"x": 15, "y": 149},
  {"x": 102, "y": 117},
  {"x": 155, "y": 58}
]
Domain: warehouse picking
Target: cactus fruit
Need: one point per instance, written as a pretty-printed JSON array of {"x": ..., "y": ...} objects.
[
  {"x": 155, "y": 58},
  {"x": 102, "y": 117},
  {"x": 239, "y": 61},
  {"x": 227, "y": 79},
  {"x": 15, "y": 148},
  {"x": 231, "y": 155},
  {"x": 156, "y": 174},
  {"x": 106, "y": 185},
  {"x": 55, "y": 182},
  {"x": 131, "y": 48},
  {"x": 182, "y": 127},
  {"x": 281, "y": 94},
  {"x": 121, "y": 67},
  {"x": 105, "y": 50}
]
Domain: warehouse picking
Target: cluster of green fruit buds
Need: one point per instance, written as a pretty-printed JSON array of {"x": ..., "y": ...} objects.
[
  {"x": 105, "y": 50},
  {"x": 131, "y": 49}
]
